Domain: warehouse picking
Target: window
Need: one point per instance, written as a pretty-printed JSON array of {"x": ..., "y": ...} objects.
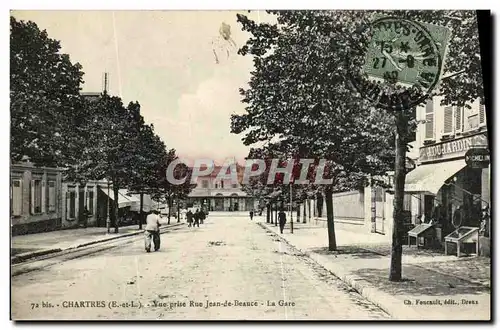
[
  {"x": 71, "y": 200},
  {"x": 222, "y": 184},
  {"x": 473, "y": 121},
  {"x": 52, "y": 196},
  {"x": 482, "y": 115},
  {"x": 90, "y": 203},
  {"x": 448, "y": 120},
  {"x": 429, "y": 120},
  {"x": 204, "y": 184},
  {"x": 216, "y": 186},
  {"x": 235, "y": 185},
  {"x": 16, "y": 197},
  {"x": 37, "y": 195},
  {"x": 459, "y": 122}
]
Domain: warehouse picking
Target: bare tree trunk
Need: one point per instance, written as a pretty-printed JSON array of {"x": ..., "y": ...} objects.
[
  {"x": 276, "y": 214},
  {"x": 298, "y": 212},
  {"x": 268, "y": 213},
  {"x": 399, "y": 182},
  {"x": 319, "y": 205},
  {"x": 309, "y": 209},
  {"x": 178, "y": 211},
  {"x": 169, "y": 208},
  {"x": 141, "y": 206},
  {"x": 304, "y": 212},
  {"x": 271, "y": 212},
  {"x": 115, "y": 202},
  {"x": 332, "y": 242}
]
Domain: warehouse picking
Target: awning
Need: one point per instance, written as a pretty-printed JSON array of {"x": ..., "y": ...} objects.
[
  {"x": 147, "y": 203},
  {"x": 123, "y": 201},
  {"x": 430, "y": 178}
]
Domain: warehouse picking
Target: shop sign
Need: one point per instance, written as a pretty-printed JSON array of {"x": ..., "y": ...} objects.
[
  {"x": 477, "y": 158},
  {"x": 452, "y": 149}
]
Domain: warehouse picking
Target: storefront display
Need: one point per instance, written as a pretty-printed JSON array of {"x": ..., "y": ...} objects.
[
  {"x": 462, "y": 235},
  {"x": 424, "y": 235}
]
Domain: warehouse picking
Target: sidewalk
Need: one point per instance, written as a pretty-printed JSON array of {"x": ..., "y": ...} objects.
[
  {"x": 362, "y": 260},
  {"x": 32, "y": 245}
]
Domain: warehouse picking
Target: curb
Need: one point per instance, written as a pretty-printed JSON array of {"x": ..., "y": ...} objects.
[
  {"x": 386, "y": 302},
  {"x": 30, "y": 255}
]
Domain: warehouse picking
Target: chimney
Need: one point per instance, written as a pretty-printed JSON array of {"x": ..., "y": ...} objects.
[{"x": 105, "y": 83}]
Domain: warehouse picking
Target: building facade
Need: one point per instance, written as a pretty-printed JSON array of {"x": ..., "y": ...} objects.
[
  {"x": 221, "y": 194},
  {"x": 444, "y": 137},
  {"x": 35, "y": 198}
]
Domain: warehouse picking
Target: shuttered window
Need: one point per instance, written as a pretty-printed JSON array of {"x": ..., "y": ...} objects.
[
  {"x": 90, "y": 204},
  {"x": 429, "y": 120},
  {"x": 482, "y": 114},
  {"x": 448, "y": 120},
  {"x": 52, "y": 196},
  {"x": 17, "y": 197},
  {"x": 71, "y": 205},
  {"x": 459, "y": 115},
  {"x": 36, "y": 196}
]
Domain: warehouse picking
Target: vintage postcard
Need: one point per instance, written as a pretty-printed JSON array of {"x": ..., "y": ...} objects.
[{"x": 250, "y": 165}]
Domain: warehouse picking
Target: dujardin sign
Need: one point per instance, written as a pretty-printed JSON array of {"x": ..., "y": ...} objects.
[{"x": 452, "y": 149}]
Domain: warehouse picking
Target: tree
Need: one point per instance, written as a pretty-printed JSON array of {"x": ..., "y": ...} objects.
[
  {"x": 44, "y": 98},
  {"x": 108, "y": 153},
  {"x": 170, "y": 190},
  {"x": 298, "y": 95},
  {"x": 149, "y": 153},
  {"x": 304, "y": 61}
]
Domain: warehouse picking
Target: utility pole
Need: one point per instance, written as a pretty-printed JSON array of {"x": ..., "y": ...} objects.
[{"x": 291, "y": 220}]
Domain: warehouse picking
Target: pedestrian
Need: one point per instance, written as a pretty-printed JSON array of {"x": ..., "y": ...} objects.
[
  {"x": 189, "y": 218},
  {"x": 203, "y": 216},
  {"x": 251, "y": 215},
  {"x": 84, "y": 217},
  {"x": 152, "y": 231},
  {"x": 196, "y": 218},
  {"x": 282, "y": 220}
]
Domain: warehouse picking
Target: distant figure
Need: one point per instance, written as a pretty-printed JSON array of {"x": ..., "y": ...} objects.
[
  {"x": 152, "y": 231},
  {"x": 282, "y": 220},
  {"x": 202, "y": 216},
  {"x": 189, "y": 218},
  {"x": 251, "y": 215},
  {"x": 196, "y": 218},
  {"x": 84, "y": 217}
]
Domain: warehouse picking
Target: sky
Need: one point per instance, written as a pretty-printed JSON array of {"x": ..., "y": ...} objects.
[{"x": 165, "y": 61}]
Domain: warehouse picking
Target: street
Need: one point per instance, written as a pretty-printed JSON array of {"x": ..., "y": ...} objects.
[{"x": 230, "y": 263}]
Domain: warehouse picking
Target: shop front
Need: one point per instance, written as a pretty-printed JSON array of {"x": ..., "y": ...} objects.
[{"x": 452, "y": 191}]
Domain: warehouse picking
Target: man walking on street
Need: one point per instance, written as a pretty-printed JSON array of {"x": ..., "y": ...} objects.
[
  {"x": 197, "y": 218},
  {"x": 282, "y": 220},
  {"x": 251, "y": 215},
  {"x": 152, "y": 231},
  {"x": 189, "y": 217}
]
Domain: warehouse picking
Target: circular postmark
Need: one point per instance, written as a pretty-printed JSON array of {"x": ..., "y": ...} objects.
[{"x": 401, "y": 65}]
